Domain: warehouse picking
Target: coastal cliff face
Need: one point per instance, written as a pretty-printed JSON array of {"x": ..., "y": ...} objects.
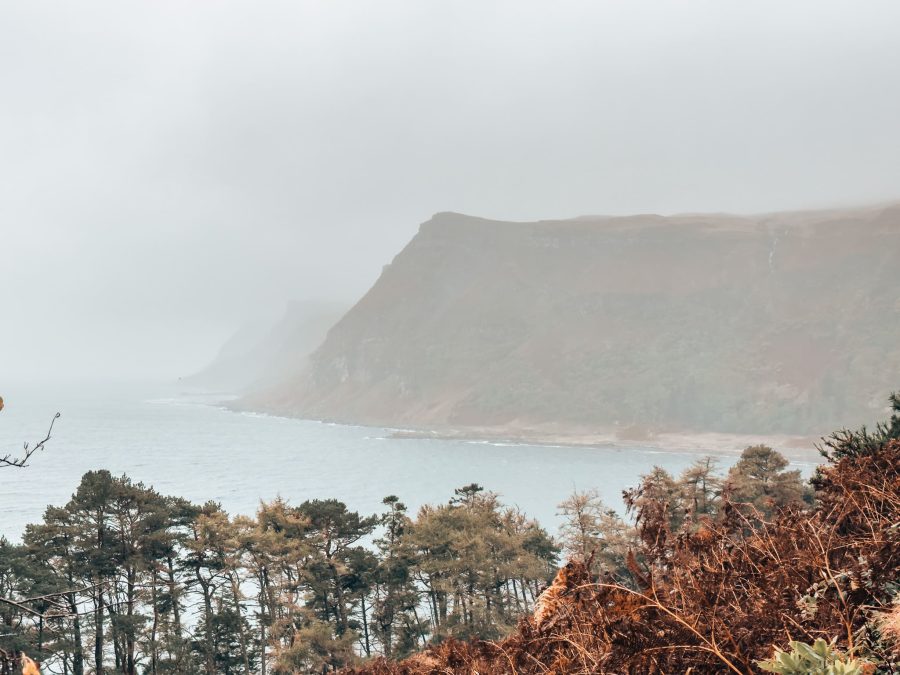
[
  {"x": 779, "y": 323},
  {"x": 261, "y": 356}
]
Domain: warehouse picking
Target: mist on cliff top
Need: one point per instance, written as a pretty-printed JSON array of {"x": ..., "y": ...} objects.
[{"x": 169, "y": 170}]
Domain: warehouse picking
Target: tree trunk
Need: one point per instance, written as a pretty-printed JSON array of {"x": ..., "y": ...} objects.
[
  {"x": 208, "y": 647},
  {"x": 365, "y": 626},
  {"x": 115, "y": 634},
  {"x": 235, "y": 593},
  {"x": 420, "y": 629},
  {"x": 99, "y": 613},
  {"x": 78, "y": 649},
  {"x": 154, "y": 629},
  {"x": 173, "y": 592},
  {"x": 130, "y": 666},
  {"x": 267, "y": 614},
  {"x": 339, "y": 596}
]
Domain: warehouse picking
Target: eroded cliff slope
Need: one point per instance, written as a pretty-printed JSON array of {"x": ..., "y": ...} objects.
[{"x": 779, "y": 323}]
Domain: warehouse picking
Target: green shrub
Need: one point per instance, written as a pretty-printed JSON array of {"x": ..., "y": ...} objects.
[{"x": 820, "y": 658}]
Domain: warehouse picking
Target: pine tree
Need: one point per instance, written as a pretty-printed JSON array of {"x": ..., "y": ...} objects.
[
  {"x": 760, "y": 479},
  {"x": 592, "y": 531},
  {"x": 701, "y": 488}
]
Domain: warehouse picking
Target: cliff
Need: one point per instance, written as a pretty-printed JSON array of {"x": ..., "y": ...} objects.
[
  {"x": 776, "y": 323},
  {"x": 261, "y": 355}
]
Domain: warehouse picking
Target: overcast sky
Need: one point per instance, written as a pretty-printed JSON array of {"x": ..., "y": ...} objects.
[{"x": 170, "y": 169}]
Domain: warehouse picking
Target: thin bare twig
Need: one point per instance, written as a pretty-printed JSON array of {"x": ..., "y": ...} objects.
[{"x": 20, "y": 462}]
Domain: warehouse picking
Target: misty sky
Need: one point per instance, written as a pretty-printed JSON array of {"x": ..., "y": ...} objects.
[{"x": 170, "y": 169}]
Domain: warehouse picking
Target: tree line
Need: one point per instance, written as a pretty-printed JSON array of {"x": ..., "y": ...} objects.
[
  {"x": 759, "y": 483},
  {"x": 125, "y": 580}
]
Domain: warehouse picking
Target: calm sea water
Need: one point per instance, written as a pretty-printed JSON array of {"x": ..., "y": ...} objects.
[{"x": 187, "y": 445}]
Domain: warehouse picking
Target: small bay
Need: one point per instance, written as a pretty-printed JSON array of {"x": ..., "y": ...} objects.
[{"x": 190, "y": 446}]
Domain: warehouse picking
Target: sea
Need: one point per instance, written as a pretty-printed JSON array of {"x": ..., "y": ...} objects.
[{"x": 193, "y": 446}]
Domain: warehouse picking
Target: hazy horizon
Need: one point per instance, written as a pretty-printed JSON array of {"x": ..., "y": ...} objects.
[{"x": 171, "y": 171}]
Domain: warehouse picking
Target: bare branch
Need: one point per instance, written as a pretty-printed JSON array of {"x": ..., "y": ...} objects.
[{"x": 20, "y": 462}]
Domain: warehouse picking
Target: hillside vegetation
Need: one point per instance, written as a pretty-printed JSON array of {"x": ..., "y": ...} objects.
[{"x": 778, "y": 323}]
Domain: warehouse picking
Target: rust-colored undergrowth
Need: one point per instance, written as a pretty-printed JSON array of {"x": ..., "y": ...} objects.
[{"x": 715, "y": 597}]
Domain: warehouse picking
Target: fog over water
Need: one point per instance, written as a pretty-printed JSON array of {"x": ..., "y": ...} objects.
[{"x": 170, "y": 170}]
